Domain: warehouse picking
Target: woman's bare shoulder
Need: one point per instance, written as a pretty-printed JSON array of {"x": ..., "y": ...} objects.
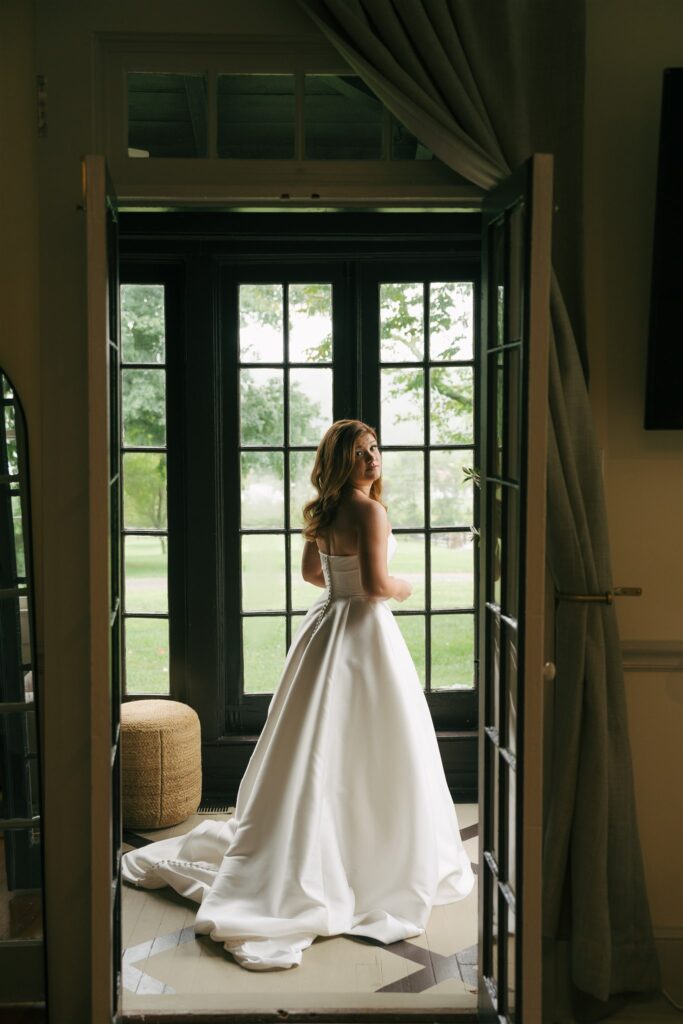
[{"x": 367, "y": 511}]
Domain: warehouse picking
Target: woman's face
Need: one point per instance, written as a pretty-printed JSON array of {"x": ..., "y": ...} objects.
[{"x": 367, "y": 460}]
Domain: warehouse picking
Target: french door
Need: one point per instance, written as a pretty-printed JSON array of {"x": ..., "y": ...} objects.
[
  {"x": 303, "y": 348},
  {"x": 105, "y": 585},
  {"x": 289, "y": 323},
  {"x": 515, "y": 304}
]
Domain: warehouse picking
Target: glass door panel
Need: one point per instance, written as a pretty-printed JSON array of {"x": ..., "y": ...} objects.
[
  {"x": 286, "y": 358},
  {"x": 513, "y": 383},
  {"x": 426, "y": 423}
]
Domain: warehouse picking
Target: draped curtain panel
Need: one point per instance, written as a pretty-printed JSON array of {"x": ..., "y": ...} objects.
[{"x": 484, "y": 85}]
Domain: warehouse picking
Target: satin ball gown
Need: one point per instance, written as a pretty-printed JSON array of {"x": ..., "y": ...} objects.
[{"x": 343, "y": 824}]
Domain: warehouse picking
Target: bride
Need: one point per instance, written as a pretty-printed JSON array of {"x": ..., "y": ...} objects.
[{"x": 343, "y": 822}]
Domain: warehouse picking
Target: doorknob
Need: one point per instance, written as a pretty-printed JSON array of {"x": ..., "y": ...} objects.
[{"x": 549, "y": 671}]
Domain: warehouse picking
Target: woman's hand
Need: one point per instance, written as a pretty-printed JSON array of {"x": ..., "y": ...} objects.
[{"x": 403, "y": 589}]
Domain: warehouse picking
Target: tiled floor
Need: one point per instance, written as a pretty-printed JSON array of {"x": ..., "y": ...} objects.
[{"x": 166, "y": 966}]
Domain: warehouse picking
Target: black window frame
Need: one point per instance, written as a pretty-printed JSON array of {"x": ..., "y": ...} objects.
[{"x": 195, "y": 254}]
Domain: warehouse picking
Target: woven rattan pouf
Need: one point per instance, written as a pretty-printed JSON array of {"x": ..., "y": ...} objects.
[{"x": 161, "y": 763}]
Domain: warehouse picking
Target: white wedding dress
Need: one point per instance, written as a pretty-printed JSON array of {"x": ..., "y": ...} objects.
[{"x": 343, "y": 822}]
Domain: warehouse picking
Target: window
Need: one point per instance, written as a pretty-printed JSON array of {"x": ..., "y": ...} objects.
[
  {"x": 263, "y": 117},
  {"x": 285, "y": 403},
  {"x": 284, "y": 324},
  {"x": 426, "y": 369},
  {"x": 243, "y": 122},
  {"x": 145, "y": 492}
]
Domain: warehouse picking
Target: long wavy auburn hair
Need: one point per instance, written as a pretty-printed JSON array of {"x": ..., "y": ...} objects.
[{"x": 334, "y": 462}]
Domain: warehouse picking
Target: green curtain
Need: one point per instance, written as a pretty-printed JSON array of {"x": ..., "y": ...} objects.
[{"x": 483, "y": 85}]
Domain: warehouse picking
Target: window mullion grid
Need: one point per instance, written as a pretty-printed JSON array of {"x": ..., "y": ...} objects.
[
  {"x": 286, "y": 469},
  {"x": 425, "y": 483},
  {"x": 125, "y": 449}
]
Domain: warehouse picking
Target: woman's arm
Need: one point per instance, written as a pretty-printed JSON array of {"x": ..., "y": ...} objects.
[
  {"x": 373, "y": 532},
  {"x": 311, "y": 567}
]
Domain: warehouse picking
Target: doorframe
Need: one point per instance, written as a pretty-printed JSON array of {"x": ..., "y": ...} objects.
[{"x": 102, "y": 824}]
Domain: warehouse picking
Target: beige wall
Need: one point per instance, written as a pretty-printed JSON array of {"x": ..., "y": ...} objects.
[{"x": 629, "y": 44}]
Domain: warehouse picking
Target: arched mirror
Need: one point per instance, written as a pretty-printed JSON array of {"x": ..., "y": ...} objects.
[{"x": 22, "y": 954}]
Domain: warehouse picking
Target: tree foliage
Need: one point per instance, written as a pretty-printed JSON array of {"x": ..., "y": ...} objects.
[{"x": 402, "y": 317}]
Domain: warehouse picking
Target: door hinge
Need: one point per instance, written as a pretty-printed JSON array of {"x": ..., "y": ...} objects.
[{"x": 41, "y": 95}]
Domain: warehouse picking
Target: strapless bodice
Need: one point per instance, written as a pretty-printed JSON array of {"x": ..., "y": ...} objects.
[{"x": 342, "y": 572}]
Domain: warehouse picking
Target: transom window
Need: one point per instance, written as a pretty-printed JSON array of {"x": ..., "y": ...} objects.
[{"x": 262, "y": 117}]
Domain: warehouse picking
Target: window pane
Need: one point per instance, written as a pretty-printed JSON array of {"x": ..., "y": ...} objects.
[
  {"x": 310, "y": 323},
  {"x": 256, "y": 116},
  {"x": 452, "y": 570},
  {"x": 166, "y": 114},
  {"x": 511, "y": 688},
  {"x": 301, "y": 489},
  {"x": 142, "y": 323},
  {"x": 402, "y": 406},
  {"x": 516, "y": 259},
  {"x": 261, "y": 407},
  {"x": 310, "y": 405},
  {"x": 496, "y": 398},
  {"x": 21, "y": 910},
  {"x": 303, "y": 594},
  {"x": 496, "y": 309},
  {"x": 263, "y": 653},
  {"x": 262, "y": 492},
  {"x": 263, "y": 573},
  {"x": 146, "y": 562},
  {"x": 297, "y": 618},
  {"x": 493, "y": 682},
  {"x": 11, "y": 439},
  {"x": 413, "y": 629},
  {"x": 18, "y": 528},
  {"x": 451, "y": 405},
  {"x": 261, "y": 323},
  {"x": 451, "y": 491},
  {"x": 143, "y": 397},
  {"x": 144, "y": 491},
  {"x": 452, "y": 652},
  {"x": 451, "y": 320},
  {"x": 510, "y": 568},
  {"x": 409, "y": 563},
  {"x": 147, "y": 659},
  {"x": 401, "y": 313},
  {"x": 496, "y": 548},
  {"x": 513, "y": 414},
  {"x": 403, "y": 487},
  {"x": 343, "y": 119},
  {"x": 511, "y": 966},
  {"x": 405, "y": 146}
]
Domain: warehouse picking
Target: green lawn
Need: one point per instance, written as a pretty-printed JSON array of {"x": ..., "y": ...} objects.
[{"x": 263, "y": 565}]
